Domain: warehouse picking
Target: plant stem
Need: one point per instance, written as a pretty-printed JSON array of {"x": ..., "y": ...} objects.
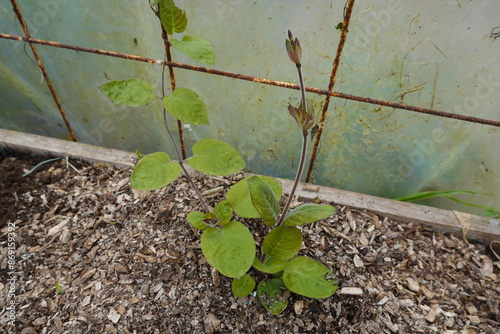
[
  {"x": 181, "y": 163},
  {"x": 297, "y": 178},
  {"x": 177, "y": 151},
  {"x": 302, "y": 88},
  {"x": 303, "y": 153}
]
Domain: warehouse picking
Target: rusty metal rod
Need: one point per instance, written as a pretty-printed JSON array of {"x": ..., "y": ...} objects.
[
  {"x": 259, "y": 80},
  {"x": 42, "y": 68},
  {"x": 166, "y": 42},
  {"x": 331, "y": 84},
  {"x": 173, "y": 86}
]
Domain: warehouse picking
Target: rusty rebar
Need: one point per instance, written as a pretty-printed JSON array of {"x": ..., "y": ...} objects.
[
  {"x": 259, "y": 80},
  {"x": 336, "y": 62},
  {"x": 24, "y": 26}
]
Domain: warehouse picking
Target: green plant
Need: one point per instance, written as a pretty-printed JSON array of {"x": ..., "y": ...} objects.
[
  {"x": 488, "y": 211},
  {"x": 59, "y": 289},
  {"x": 228, "y": 245}
]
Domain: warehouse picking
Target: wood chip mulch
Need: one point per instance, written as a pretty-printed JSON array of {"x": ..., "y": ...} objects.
[{"x": 94, "y": 256}]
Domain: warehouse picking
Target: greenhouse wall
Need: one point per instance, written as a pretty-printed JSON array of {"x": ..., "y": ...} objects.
[{"x": 438, "y": 55}]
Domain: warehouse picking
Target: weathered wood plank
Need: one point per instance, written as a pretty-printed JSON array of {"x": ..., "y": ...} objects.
[
  {"x": 459, "y": 223},
  {"x": 40, "y": 145}
]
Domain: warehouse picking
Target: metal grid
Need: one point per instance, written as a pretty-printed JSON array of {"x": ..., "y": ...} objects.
[{"x": 328, "y": 93}]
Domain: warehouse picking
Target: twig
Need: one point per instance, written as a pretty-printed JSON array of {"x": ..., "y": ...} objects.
[{"x": 70, "y": 165}]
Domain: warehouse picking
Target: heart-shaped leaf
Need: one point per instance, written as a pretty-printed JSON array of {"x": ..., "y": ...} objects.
[
  {"x": 282, "y": 243},
  {"x": 307, "y": 277},
  {"x": 242, "y": 286},
  {"x": 271, "y": 295},
  {"x": 172, "y": 17},
  {"x": 264, "y": 200},
  {"x": 196, "y": 48},
  {"x": 308, "y": 213},
  {"x": 154, "y": 171},
  {"x": 131, "y": 92},
  {"x": 239, "y": 196},
  {"x": 186, "y": 105},
  {"x": 230, "y": 249},
  {"x": 214, "y": 157}
]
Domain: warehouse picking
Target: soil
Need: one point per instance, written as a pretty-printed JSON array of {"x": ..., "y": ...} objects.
[{"x": 94, "y": 256}]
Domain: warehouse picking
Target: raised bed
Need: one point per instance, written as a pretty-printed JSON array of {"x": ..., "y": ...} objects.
[
  {"x": 94, "y": 256},
  {"x": 460, "y": 223}
]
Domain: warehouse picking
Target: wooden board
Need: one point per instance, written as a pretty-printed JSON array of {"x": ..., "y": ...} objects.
[
  {"x": 47, "y": 146},
  {"x": 459, "y": 223}
]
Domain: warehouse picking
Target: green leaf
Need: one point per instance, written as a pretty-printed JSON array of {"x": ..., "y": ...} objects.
[
  {"x": 208, "y": 216},
  {"x": 239, "y": 196},
  {"x": 308, "y": 213},
  {"x": 131, "y": 92},
  {"x": 230, "y": 249},
  {"x": 59, "y": 289},
  {"x": 214, "y": 157},
  {"x": 264, "y": 200},
  {"x": 242, "y": 286},
  {"x": 489, "y": 211},
  {"x": 431, "y": 194},
  {"x": 172, "y": 17},
  {"x": 196, "y": 48},
  {"x": 282, "y": 243},
  {"x": 186, "y": 105},
  {"x": 271, "y": 266},
  {"x": 154, "y": 171},
  {"x": 224, "y": 212},
  {"x": 139, "y": 155},
  {"x": 271, "y": 296},
  {"x": 469, "y": 204},
  {"x": 196, "y": 218},
  {"x": 307, "y": 277}
]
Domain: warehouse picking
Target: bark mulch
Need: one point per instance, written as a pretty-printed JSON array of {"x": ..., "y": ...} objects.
[{"x": 94, "y": 256}]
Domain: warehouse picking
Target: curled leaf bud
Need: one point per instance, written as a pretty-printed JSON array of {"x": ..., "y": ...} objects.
[
  {"x": 293, "y": 49},
  {"x": 304, "y": 119}
]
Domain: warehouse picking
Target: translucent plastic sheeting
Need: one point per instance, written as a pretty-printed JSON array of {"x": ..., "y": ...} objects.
[{"x": 439, "y": 55}]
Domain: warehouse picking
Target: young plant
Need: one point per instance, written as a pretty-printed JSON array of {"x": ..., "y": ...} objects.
[
  {"x": 59, "y": 289},
  {"x": 228, "y": 245}
]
